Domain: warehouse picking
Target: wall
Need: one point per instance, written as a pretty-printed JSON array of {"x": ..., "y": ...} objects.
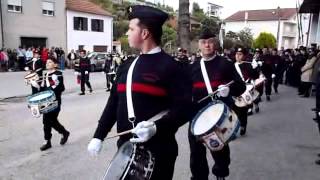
[
  {"x": 88, "y": 38},
  {"x": 32, "y": 23}
]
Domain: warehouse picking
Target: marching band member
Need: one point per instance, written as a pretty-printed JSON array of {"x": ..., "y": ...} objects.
[
  {"x": 220, "y": 71},
  {"x": 53, "y": 80},
  {"x": 158, "y": 83},
  {"x": 35, "y": 66},
  {"x": 84, "y": 68},
  {"x": 247, "y": 73},
  {"x": 268, "y": 70}
]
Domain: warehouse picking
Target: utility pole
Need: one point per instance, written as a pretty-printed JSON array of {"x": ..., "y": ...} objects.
[
  {"x": 278, "y": 32},
  {"x": 1, "y": 21}
]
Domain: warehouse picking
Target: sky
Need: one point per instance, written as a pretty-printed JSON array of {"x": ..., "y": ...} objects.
[{"x": 232, "y": 6}]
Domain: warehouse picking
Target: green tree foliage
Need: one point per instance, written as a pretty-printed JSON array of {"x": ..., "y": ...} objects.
[
  {"x": 119, "y": 29},
  {"x": 243, "y": 38},
  {"x": 169, "y": 34},
  {"x": 265, "y": 40},
  {"x": 197, "y": 12},
  {"x": 211, "y": 23}
]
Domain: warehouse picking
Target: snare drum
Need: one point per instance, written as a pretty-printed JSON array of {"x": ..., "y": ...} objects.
[
  {"x": 247, "y": 97},
  {"x": 215, "y": 125},
  {"x": 42, "y": 102},
  {"x": 131, "y": 162},
  {"x": 31, "y": 77}
]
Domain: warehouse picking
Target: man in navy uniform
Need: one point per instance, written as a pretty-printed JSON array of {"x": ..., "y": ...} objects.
[
  {"x": 158, "y": 83},
  {"x": 220, "y": 71}
]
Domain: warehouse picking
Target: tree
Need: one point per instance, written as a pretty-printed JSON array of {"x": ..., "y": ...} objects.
[
  {"x": 119, "y": 29},
  {"x": 197, "y": 12},
  {"x": 245, "y": 38},
  {"x": 211, "y": 23},
  {"x": 265, "y": 40},
  {"x": 184, "y": 25},
  {"x": 169, "y": 35},
  {"x": 232, "y": 35}
]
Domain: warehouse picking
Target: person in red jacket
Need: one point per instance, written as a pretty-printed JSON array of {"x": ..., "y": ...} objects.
[{"x": 44, "y": 55}]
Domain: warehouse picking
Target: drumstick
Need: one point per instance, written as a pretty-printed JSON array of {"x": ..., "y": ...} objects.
[
  {"x": 215, "y": 92},
  {"x": 153, "y": 119},
  {"x": 120, "y": 134}
]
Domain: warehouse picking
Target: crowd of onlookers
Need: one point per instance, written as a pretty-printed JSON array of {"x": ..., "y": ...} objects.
[{"x": 16, "y": 59}]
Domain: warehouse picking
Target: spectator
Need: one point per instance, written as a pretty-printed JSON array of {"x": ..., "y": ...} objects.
[
  {"x": 29, "y": 54},
  {"x": 307, "y": 69},
  {"x": 12, "y": 58},
  {"x": 21, "y": 58},
  {"x": 44, "y": 55},
  {"x": 72, "y": 56}
]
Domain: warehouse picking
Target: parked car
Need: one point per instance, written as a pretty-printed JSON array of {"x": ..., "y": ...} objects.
[{"x": 97, "y": 60}]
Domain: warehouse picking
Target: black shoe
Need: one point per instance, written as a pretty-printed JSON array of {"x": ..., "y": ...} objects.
[
  {"x": 64, "y": 138},
  {"x": 243, "y": 131},
  {"x": 46, "y": 146},
  {"x": 81, "y": 94},
  {"x": 257, "y": 109},
  {"x": 220, "y": 178},
  {"x": 268, "y": 98},
  {"x": 319, "y": 155},
  {"x": 107, "y": 90},
  {"x": 276, "y": 91},
  {"x": 90, "y": 90},
  {"x": 318, "y": 162}
]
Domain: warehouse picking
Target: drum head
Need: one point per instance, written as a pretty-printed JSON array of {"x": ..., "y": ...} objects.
[
  {"x": 207, "y": 118},
  {"x": 119, "y": 162},
  {"x": 38, "y": 97}
]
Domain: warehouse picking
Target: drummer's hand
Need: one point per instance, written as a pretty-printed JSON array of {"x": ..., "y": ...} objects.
[
  {"x": 144, "y": 130},
  {"x": 260, "y": 63},
  {"x": 94, "y": 147},
  {"x": 223, "y": 91},
  {"x": 273, "y": 76},
  {"x": 86, "y": 72},
  {"x": 26, "y": 68}
]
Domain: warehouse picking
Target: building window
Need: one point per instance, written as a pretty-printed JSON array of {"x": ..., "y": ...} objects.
[
  {"x": 48, "y": 8},
  {"x": 15, "y": 6},
  {"x": 97, "y": 25},
  {"x": 80, "y": 23}
]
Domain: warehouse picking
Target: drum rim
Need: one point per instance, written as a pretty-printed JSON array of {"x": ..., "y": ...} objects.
[
  {"x": 40, "y": 100},
  {"x": 219, "y": 122},
  {"x": 119, "y": 152},
  {"x": 234, "y": 135}
]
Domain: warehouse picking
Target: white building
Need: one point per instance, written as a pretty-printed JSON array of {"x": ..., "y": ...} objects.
[
  {"x": 89, "y": 26},
  {"x": 213, "y": 10},
  {"x": 312, "y": 7},
  {"x": 267, "y": 21}
]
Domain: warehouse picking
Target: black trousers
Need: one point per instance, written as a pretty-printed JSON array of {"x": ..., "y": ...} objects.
[
  {"x": 268, "y": 85},
  {"x": 109, "y": 78},
  {"x": 305, "y": 88},
  {"x": 21, "y": 63},
  {"x": 242, "y": 113},
  {"x": 164, "y": 163},
  {"x": 85, "y": 81},
  {"x": 50, "y": 120},
  {"x": 199, "y": 164},
  {"x": 276, "y": 81}
]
